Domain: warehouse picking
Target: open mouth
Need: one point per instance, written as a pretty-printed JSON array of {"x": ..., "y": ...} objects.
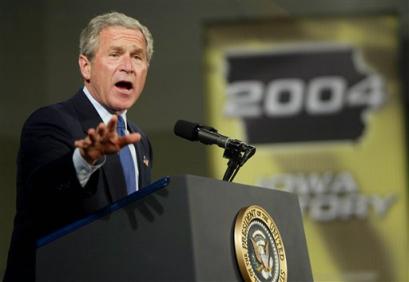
[{"x": 125, "y": 85}]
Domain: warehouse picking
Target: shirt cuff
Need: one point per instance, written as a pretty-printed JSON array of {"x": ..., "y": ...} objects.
[{"x": 83, "y": 168}]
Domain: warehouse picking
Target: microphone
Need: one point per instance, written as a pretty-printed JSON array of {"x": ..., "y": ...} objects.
[
  {"x": 204, "y": 134},
  {"x": 236, "y": 151}
]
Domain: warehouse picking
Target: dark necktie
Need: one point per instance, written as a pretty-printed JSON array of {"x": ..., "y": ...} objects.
[{"x": 126, "y": 160}]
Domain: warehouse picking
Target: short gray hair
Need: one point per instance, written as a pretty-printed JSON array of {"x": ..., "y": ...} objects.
[{"x": 89, "y": 38}]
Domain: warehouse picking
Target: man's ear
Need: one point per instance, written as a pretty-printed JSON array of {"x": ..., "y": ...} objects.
[{"x": 85, "y": 67}]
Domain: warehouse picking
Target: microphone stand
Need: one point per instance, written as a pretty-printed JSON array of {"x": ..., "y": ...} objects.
[{"x": 237, "y": 153}]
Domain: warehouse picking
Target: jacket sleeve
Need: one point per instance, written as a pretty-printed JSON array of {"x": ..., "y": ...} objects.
[
  {"x": 48, "y": 187},
  {"x": 46, "y": 148}
]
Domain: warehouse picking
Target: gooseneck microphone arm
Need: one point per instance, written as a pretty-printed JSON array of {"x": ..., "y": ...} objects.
[{"x": 236, "y": 151}]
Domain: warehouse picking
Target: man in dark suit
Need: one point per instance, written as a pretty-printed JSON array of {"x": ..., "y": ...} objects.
[{"x": 80, "y": 155}]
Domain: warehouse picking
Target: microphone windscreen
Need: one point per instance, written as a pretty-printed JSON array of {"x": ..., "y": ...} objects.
[{"x": 186, "y": 129}]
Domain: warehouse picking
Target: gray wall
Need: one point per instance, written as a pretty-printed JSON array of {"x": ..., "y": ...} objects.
[{"x": 38, "y": 66}]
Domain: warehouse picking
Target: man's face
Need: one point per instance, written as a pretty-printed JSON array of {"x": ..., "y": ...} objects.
[{"x": 116, "y": 74}]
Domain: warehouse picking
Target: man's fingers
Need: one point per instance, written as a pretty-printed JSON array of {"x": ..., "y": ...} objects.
[
  {"x": 101, "y": 129},
  {"x": 79, "y": 143},
  {"x": 82, "y": 143},
  {"x": 92, "y": 135},
  {"x": 112, "y": 123},
  {"x": 133, "y": 138},
  {"x": 104, "y": 140},
  {"x": 129, "y": 139}
]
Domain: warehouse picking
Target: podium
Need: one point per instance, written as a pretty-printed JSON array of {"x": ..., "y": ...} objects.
[{"x": 177, "y": 229}]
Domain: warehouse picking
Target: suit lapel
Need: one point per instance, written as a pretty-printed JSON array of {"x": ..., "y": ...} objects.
[
  {"x": 112, "y": 169},
  {"x": 87, "y": 114}
]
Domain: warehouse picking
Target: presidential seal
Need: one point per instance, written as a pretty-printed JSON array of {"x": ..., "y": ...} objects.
[{"x": 259, "y": 247}]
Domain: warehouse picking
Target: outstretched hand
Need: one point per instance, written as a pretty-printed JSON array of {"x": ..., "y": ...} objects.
[{"x": 104, "y": 140}]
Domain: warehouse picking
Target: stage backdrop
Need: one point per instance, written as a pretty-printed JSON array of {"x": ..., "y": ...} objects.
[{"x": 320, "y": 99}]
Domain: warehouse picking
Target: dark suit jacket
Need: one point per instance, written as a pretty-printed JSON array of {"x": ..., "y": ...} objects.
[{"x": 49, "y": 195}]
